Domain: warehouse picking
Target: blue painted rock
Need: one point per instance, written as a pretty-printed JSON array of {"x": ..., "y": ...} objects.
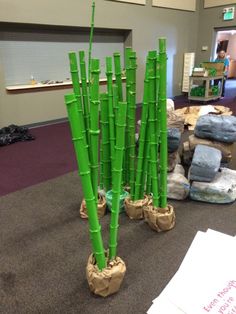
[
  {"x": 174, "y": 136},
  {"x": 221, "y": 190},
  {"x": 219, "y": 128},
  {"x": 205, "y": 163}
]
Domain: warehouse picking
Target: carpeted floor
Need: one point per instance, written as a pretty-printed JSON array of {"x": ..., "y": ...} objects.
[
  {"x": 45, "y": 245},
  {"x": 50, "y": 155}
]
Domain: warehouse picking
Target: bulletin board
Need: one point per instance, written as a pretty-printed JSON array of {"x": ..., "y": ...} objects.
[
  {"x": 186, "y": 5},
  {"x": 143, "y": 2},
  {"x": 217, "y": 3},
  {"x": 44, "y": 55}
]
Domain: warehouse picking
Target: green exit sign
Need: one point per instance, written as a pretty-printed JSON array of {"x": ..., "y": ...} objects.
[{"x": 228, "y": 14}]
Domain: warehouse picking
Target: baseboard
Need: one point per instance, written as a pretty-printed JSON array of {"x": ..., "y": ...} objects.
[{"x": 44, "y": 123}]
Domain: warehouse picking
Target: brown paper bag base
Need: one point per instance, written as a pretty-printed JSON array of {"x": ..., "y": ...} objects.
[
  {"x": 160, "y": 219},
  {"x": 101, "y": 208},
  {"x": 134, "y": 209},
  {"x": 107, "y": 281}
]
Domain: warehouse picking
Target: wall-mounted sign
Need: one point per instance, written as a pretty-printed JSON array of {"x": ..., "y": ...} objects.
[{"x": 228, "y": 14}]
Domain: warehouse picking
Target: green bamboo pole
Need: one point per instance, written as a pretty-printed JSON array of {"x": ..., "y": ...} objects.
[
  {"x": 149, "y": 174},
  {"x": 111, "y": 112},
  {"x": 145, "y": 182},
  {"x": 91, "y": 40},
  {"x": 94, "y": 121},
  {"x": 128, "y": 50},
  {"x": 163, "y": 133},
  {"x": 101, "y": 180},
  {"x": 105, "y": 143},
  {"x": 158, "y": 98},
  {"x": 84, "y": 93},
  {"x": 115, "y": 101},
  {"x": 118, "y": 73},
  {"x": 84, "y": 172},
  {"x": 152, "y": 125},
  {"x": 76, "y": 86},
  {"x": 142, "y": 140},
  {"x": 117, "y": 173},
  {"x": 132, "y": 120}
]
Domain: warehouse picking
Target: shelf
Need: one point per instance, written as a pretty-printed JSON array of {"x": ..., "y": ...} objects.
[
  {"x": 40, "y": 86},
  {"x": 203, "y": 98},
  {"x": 205, "y": 82}
]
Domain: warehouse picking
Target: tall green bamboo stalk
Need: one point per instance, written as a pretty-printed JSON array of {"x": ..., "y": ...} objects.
[
  {"x": 152, "y": 125},
  {"x": 105, "y": 142},
  {"x": 101, "y": 177},
  {"x": 94, "y": 122},
  {"x": 117, "y": 173},
  {"x": 115, "y": 101},
  {"x": 128, "y": 50},
  {"x": 149, "y": 173},
  {"x": 84, "y": 93},
  {"x": 76, "y": 85},
  {"x": 118, "y": 73},
  {"x": 145, "y": 182},
  {"x": 91, "y": 40},
  {"x": 84, "y": 172},
  {"x": 142, "y": 140},
  {"x": 111, "y": 112},
  {"x": 158, "y": 126},
  {"x": 132, "y": 120},
  {"x": 163, "y": 133}
]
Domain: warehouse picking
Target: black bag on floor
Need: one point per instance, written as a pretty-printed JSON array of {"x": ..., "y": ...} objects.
[{"x": 13, "y": 133}]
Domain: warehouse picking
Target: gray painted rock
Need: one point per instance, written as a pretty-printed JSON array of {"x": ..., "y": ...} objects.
[
  {"x": 177, "y": 185},
  {"x": 179, "y": 169},
  {"x": 205, "y": 163},
  {"x": 174, "y": 136},
  {"x": 219, "y": 128},
  {"x": 173, "y": 160},
  {"x": 221, "y": 190}
]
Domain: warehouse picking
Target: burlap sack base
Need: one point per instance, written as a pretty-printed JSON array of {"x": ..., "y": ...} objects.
[
  {"x": 160, "y": 219},
  {"x": 134, "y": 209},
  {"x": 107, "y": 281},
  {"x": 101, "y": 208}
]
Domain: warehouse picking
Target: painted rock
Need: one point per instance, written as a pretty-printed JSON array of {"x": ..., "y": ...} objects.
[
  {"x": 221, "y": 190},
  {"x": 219, "y": 128},
  {"x": 205, "y": 163}
]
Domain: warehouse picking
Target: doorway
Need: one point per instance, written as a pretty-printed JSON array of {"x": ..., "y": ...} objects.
[{"x": 225, "y": 39}]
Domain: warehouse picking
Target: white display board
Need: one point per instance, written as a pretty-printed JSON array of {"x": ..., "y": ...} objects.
[
  {"x": 186, "y": 5},
  {"x": 189, "y": 60},
  {"x": 143, "y": 2},
  {"x": 45, "y": 55},
  {"x": 217, "y": 3}
]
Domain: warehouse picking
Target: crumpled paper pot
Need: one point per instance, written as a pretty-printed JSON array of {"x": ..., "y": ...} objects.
[
  {"x": 160, "y": 219},
  {"x": 107, "y": 281},
  {"x": 101, "y": 208},
  {"x": 134, "y": 209}
]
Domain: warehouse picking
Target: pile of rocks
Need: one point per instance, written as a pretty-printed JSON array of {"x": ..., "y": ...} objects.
[{"x": 211, "y": 146}]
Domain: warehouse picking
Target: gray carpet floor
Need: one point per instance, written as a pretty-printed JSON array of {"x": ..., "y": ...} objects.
[{"x": 44, "y": 247}]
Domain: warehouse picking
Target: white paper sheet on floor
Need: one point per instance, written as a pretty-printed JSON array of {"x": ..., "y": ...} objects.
[{"x": 205, "y": 281}]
